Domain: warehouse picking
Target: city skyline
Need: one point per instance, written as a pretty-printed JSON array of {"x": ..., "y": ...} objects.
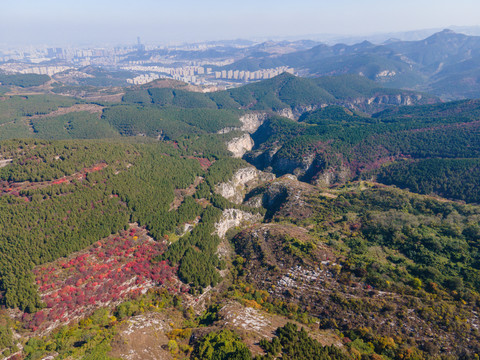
[{"x": 27, "y": 22}]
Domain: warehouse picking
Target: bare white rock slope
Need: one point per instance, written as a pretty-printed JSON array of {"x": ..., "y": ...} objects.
[
  {"x": 242, "y": 181},
  {"x": 240, "y": 145},
  {"x": 250, "y": 123},
  {"x": 232, "y": 218}
]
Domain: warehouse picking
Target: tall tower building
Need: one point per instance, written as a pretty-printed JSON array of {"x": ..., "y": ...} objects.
[{"x": 140, "y": 46}]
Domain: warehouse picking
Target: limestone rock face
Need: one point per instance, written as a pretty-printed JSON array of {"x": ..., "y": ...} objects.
[
  {"x": 287, "y": 112},
  {"x": 232, "y": 218},
  {"x": 333, "y": 176},
  {"x": 296, "y": 112},
  {"x": 285, "y": 197},
  {"x": 298, "y": 167},
  {"x": 240, "y": 145},
  {"x": 400, "y": 99},
  {"x": 243, "y": 180},
  {"x": 255, "y": 201},
  {"x": 251, "y": 122}
]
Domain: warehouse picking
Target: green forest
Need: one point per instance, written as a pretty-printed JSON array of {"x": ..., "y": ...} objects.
[
  {"x": 437, "y": 143},
  {"x": 59, "y": 212},
  {"x": 23, "y": 80},
  {"x": 371, "y": 251}
]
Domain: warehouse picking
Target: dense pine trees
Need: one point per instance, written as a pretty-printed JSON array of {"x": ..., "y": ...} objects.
[{"x": 59, "y": 197}]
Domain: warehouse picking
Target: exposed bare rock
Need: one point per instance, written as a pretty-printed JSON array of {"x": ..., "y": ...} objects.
[
  {"x": 333, "y": 176},
  {"x": 298, "y": 167},
  {"x": 243, "y": 180},
  {"x": 5, "y": 162},
  {"x": 187, "y": 227},
  {"x": 255, "y": 201},
  {"x": 143, "y": 337},
  {"x": 251, "y": 122},
  {"x": 285, "y": 197},
  {"x": 399, "y": 99},
  {"x": 246, "y": 318},
  {"x": 232, "y": 218},
  {"x": 381, "y": 101},
  {"x": 268, "y": 258},
  {"x": 295, "y": 113},
  {"x": 258, "y": 324},
  {"x": 287, "y": 112},
  {"x": 240, "y": 145}
]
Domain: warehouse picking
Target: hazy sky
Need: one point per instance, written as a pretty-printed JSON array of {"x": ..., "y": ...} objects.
[{"x": 121, "y": 21}]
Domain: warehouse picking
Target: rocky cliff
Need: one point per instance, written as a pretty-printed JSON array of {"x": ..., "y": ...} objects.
[
  {"x": 232, "y": 218},
  {"x": 369, "y": 105},
  {"x": 296, "y": 112},
  {"x": 250, "y": 123},
  {"x": 240, "y": 145},
  {"x": 298, "y": 167},
  {"x": 284, "y": 197},
  {"x": 333, "y": 176},
  {"x": 241, "y": 183},
  {"x": 381, "y": 102}
]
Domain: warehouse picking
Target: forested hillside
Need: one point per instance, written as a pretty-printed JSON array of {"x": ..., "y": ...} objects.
[
  {"x": 23, "y": 80},
  {"x": 346, "y": 145},
  {"x": 131, "y": 220},
  {"x": 378, "y": 264},
  {"x": 285, "y": 91},
  {"x": 59, "y": 198}
]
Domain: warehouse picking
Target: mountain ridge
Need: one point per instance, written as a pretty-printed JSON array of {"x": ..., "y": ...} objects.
[{"x": 408, "y": 64}]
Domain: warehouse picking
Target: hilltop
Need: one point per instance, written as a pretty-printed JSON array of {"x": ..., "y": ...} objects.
[{"x": 442, "y": 64}]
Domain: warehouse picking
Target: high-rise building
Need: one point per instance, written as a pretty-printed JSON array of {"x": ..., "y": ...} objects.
[{"x": 140, "y": 46}]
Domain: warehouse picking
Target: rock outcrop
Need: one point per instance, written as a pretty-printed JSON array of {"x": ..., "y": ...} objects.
[
  {"x": 287, "y": 112},
  {"x": 240, "y": 145},
  {"x": 381, "y": 102},
  {"x": 296, "y": 112},
  {"x": 298, "y": 167},
  {"x": 232, "y": 218},
  {"x": 251, "y": 122},
  {"x": 333, "y": 176},
  {"x": 242, "y": 181},
  {"x": 284, "y": 197},
  {"x": 399, "y": 99}
]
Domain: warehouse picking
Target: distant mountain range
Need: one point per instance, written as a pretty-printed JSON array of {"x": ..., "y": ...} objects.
[
  {"x": 380, "y": 38},
  {"x": 445, "y": 64},
  {"x": 222, "y": 50}
]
